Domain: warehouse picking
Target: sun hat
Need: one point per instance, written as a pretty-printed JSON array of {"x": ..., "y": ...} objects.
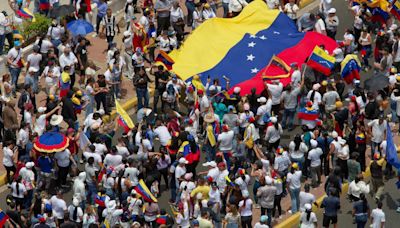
[{"x": 56, "y": 120}]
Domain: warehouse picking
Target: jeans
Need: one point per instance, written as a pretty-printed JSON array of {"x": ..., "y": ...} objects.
[
  {"x": 14, "y": 77},
  {"x": 269, "y": 214},
  {"x": 295, "y": 199},
  {"x": 288, "y": 114},
  {"x": 190, "y": 7},
  {"x": 210, "y": 152},
  {"x": 225, "y": 6},
  {"x": 142, "y": 97},
  {"x": 35, "y": 86},
  {"x": 373, "y": 146},
  {"x": 2, "y": 39},
  {"x": 227, "y": 159},
  {"x": 28, "y": 199}
]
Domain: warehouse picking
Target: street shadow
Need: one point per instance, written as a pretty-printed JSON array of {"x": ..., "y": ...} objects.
[{"x": 390, "y": 202}]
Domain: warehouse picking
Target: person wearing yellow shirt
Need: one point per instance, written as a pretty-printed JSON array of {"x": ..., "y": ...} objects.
[{"x": 202, "y": 188}]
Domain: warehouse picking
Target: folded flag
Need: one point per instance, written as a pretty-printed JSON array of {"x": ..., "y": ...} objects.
[
  {"x": 188, "y": 154},
  {"x": 142, "y": 190},
  {"x": 100, "y": 200},
  {"x": 164, "y": 60},
  {"x": 321, "y": 61},
  {"x": 3, "y": 218},
  {"x": 279, "y": 67},
  {"x": 308, "y": 113},
  {"x": 124, "y": 119},
  {"x": 360, "y": 138},
  {"x": 351, "y": 67}
]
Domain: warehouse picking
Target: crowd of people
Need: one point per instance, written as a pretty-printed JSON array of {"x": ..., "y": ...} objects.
[{"x": 217, "y": 158}]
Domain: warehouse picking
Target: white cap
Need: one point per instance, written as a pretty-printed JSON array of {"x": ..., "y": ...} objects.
[
  {"x": 236, "y": 89},
  {"x": 332, "y": 10},
  {"x": 393, "y": 27},
  {"x": 42, "y": 109},
  {"x": 129, "y": 1},
  {"x": 29, "y": 165},
  {"x": 316, "y": 86},
  {"x": 307, "y": 206},
  {"x": 183, "y": 161},
  {"x": 245, "y": 194},
  {"x": 268, "y": 180},
  {"x": 313, "y": 143},
  {"x": 133, "y": 192},
  {"x": 356, "y": 81},
  {"x": 342, "y": 141},
  {"x": 75, "y": 202},
  {"x": 273, "y": 119},
  {"x": 101, "y": 111},
  {"x": 334, "y": 134},
  {"x": 211, "y": 163},
  {"x": 262, "y": 100}
]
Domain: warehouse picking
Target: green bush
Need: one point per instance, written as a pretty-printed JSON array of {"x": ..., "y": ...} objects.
[{"x": 32, "y": 29}]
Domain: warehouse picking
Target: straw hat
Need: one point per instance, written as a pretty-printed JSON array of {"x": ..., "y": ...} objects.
[
  {"x": 56, "y": 120},
  {"x": 209, "y": 117}
]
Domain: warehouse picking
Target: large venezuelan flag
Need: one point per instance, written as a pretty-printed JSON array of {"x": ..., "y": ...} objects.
[
  {"x": 239, "y": 48},
  {"x": 396, "y": 9},
  {"x": 144, "y": 191}
]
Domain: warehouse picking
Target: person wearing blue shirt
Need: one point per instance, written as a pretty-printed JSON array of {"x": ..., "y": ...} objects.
[
  {"x": 46, "y": 168},
  {"x": 324, "y": 140},
  {"x": 101, "y": 12}
]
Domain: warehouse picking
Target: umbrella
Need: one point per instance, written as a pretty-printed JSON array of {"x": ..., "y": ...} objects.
[
  {"x": 51, "y": 142},
  {"x": 376, "y": 83},
  {"x": 80, "y": 27},
  {"x": 61, "y": 11}
]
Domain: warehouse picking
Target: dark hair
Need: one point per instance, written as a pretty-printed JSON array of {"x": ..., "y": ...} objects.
[
  {"x": 297, "y": 142},
  {"x": 365, "y": 202},
  {"x": 307, "y": 187}
]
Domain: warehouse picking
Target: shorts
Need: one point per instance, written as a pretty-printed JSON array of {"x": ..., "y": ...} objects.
[{"x": 329, "y": 220}]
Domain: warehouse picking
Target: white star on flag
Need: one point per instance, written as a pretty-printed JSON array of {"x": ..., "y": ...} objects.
[
  {"x": 275, "y": 32},
  {"x": 254, "y": 70},
  {"x": 252, "y": 44},
  {"x": 253, "y": 36},
  {"x": 250, "y": 57},
  {"x": 263, "y": 37}
]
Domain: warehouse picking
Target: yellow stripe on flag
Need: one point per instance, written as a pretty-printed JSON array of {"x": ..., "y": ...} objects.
[
  {"x": 121, "y": 111},
  {"x": 321, "y": 53},
  {"x": 210, "y": 42}
]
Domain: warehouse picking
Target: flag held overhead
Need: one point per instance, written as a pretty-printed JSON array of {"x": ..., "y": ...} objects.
[{"x": 321, "y": 61}]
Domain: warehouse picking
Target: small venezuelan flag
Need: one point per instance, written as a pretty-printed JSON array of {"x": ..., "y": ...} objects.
[
  {"x": 164, "y": 60},
  {"x": 124, "y": 119},
  {"x": 161, "y": 219},
  {"x": 351, "y": 67},
  {"x": 321, "y": 61},
  {"x": 144, "y": 191},
  {"x": 3, "y": 218},
  {"x": 308, "y": 114}
]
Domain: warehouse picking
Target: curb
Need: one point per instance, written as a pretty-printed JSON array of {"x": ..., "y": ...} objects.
[{"x": 294, "y": 220}]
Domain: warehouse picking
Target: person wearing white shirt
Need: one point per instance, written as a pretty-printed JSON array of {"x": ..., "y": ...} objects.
[
  {"x": 55, "y": 31},
  {"x": 162, "y": 133},
  {"x": 112, "y": 159},
  {"x": 58, "y": 206},
  {"x": 306, "y": 197},
  {"x": 91, "y": 154},
  {"x": 294, "y": 185},
  {"x": 273, "y": 134},
  {"x": 197, "y": 15},
  {"x": 52, "y": 74},
  {"x": 101, "y": 149},
  {"x": 264, "y": 108},
  {"x": 356, "y": 187},
  {"x": 273, "y": 4},
  {"x": 314, "y": 155},
  {"x": 320, "y": 25},
  {"x": 75, "y": 212},
  {"x": 208, "y": 12},
  {"x": 378, "y": 128},
  {"x": 315, "y": 97},
  {"x": 291, "y": 9},
  {"x": 236, "y": 6},
  {"x": 63, "y": 159},
  {"x": 180, "y": 171},
  {"x": 246, "y": 209},
  {"x": 275, "y": 89},
  {"x": 18, "y": 191},
  {"x": 325, "y": 6},
  {"x": 245, "y": 116},
  {"x": 9, "y": 152},
  {"x": 225, "y": 139},
  {"x": 68, "y": 58},
  {"x": 378, "y": 217}
]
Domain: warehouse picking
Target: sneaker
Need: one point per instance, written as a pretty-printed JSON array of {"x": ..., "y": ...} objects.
[{"x": 290, "y": 211}]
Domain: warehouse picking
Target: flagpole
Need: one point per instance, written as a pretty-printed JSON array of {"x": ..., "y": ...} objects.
[{"x": 269, "y": 63}]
